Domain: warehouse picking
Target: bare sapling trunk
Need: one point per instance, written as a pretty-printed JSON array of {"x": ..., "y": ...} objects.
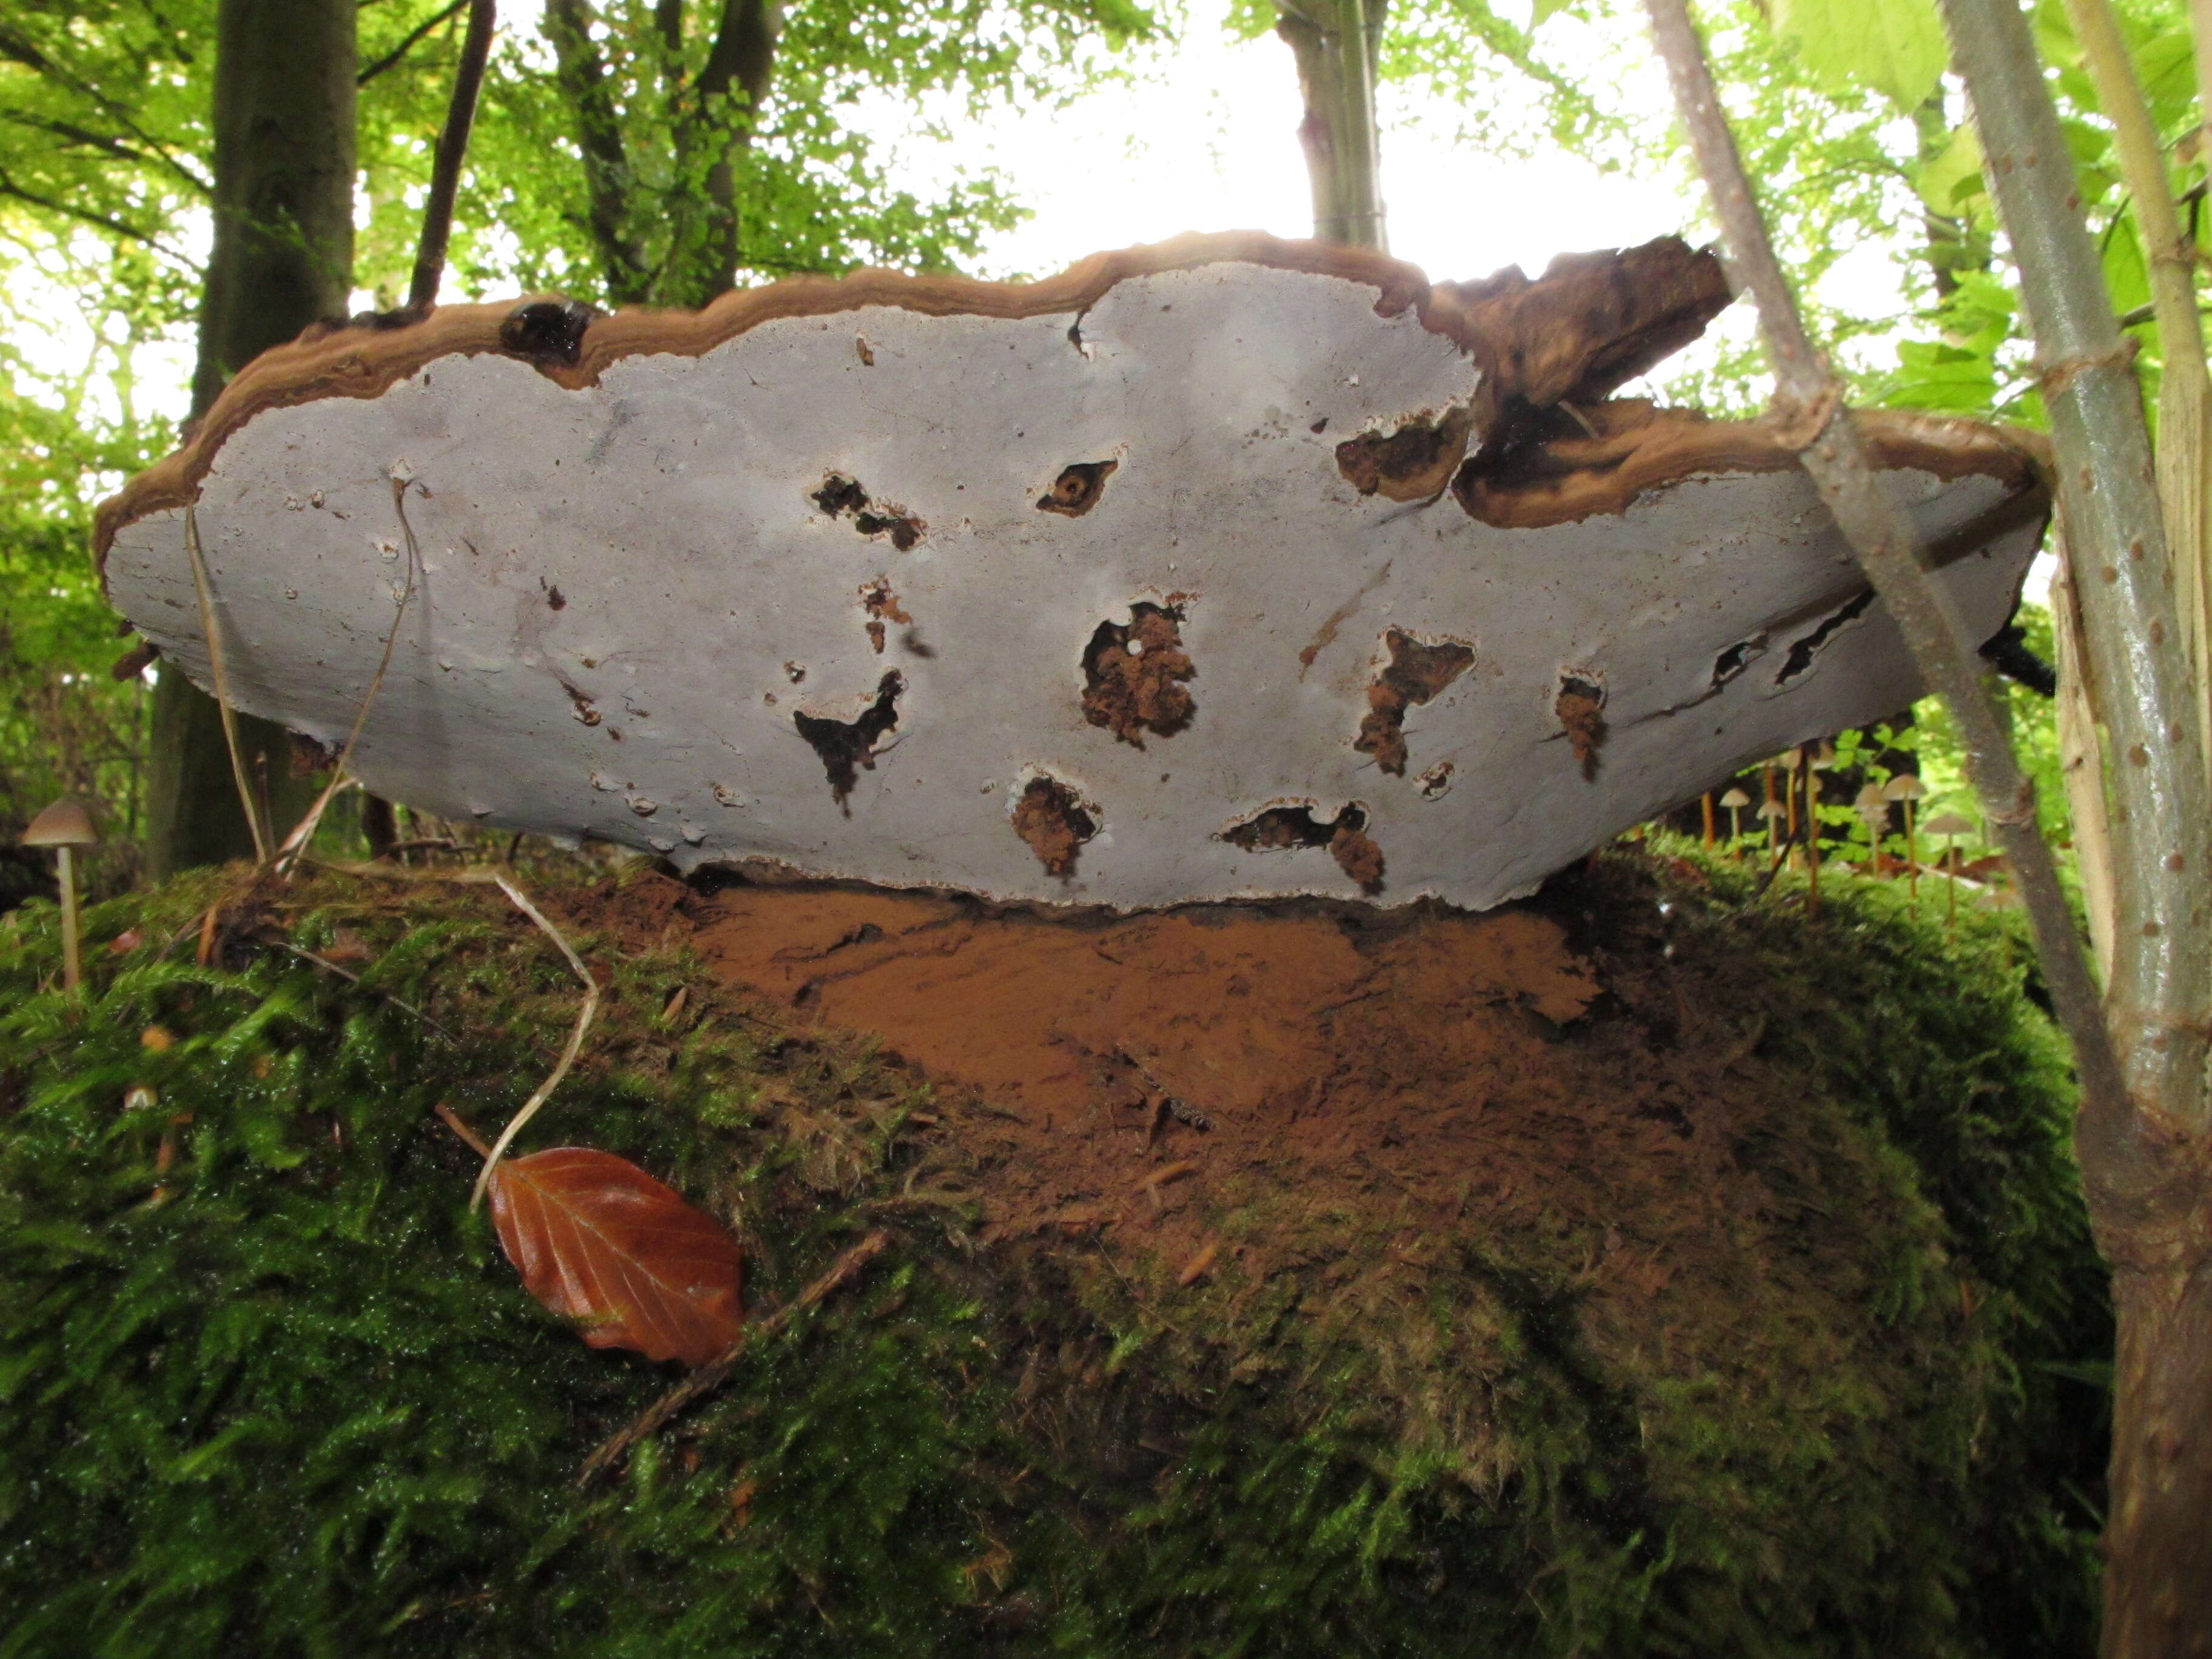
[
  {"x": 283, "y": 258},
  {"x": 2148, "y": 1177},
  {"x": 1335, "y": 43}
]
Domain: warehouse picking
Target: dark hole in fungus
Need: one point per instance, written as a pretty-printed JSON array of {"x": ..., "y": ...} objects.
[
  {"x": 1055, "y": 822},
  {"x": 1132, "y": 691},
  {"x": 548, "y": 331},
  {"x": 1416, "y": 673},
  {"x": 1288, "y": 828},
  {"x": 1803, "y": 650},
  {"x": 840, "y": 494},
  {"x": 557, "y": 599},
  {"x": 1412, "y": 464},
  {"x": 903, "y": 528},
  {"x": 845, "y": 746},
  {"x": 1077, "y": 489},
  {"x": 1580, "y": 706},
  {"x": 1737, "y": 658}
]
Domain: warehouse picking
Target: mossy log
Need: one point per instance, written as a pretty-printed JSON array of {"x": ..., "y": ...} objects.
[{"x": 1635, "y": 1271}]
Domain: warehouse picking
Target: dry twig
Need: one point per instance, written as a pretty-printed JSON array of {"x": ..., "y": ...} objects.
[
  {"x": 584, "y": 1017},
  {"x": 716, "y": 1371},
  {"x": 246, "y": 796}
]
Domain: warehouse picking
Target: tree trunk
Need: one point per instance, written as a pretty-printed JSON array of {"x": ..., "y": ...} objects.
[
  {"x": 283, "y": 258},
  {"x": 731, "y": 86},
  {"x": 2147, "y": 1171},
  {"x": 580, "y": 72},
  {"x": 1335, "y": 42}
]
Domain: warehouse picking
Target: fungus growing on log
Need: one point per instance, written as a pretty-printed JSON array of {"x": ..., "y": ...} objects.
[{"x": 1314, "y": 450}]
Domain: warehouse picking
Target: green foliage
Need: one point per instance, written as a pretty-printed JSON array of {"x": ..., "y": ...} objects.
[
  {"x": 1895, "y": 46},
  {"x": 276, "y": 1391}
]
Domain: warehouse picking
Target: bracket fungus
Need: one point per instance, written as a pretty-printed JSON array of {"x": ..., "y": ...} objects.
[{"x": 1373, "y": 533}]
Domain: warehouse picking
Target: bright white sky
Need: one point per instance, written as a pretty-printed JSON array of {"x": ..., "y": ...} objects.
[{"x": 1205, "y": 138}]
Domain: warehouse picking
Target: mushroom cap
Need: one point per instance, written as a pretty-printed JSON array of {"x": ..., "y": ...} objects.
[
  {"x": 1871, "y": 800},
  {"x": 1735, "y": 799},
  {"x": 65, "y": 824},
  {"x": 1772, "y": 809},
  {"x": 1948, "y": 823},
  {"x": 1788, "y": 759},
  {"x": 1905, "y": 786}
]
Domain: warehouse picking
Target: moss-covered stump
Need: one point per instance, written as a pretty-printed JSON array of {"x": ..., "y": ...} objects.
[{"x": 1638, "y": 1272}]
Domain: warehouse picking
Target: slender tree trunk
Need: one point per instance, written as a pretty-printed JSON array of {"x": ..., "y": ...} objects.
[
  {"x": 1335, "y": 43},
  {"x": 283, "y": 258},
  {"x": 580, "y": 72},
  {"x": 730, "y": 88},
  {"x": 2147, "y": 1174}
]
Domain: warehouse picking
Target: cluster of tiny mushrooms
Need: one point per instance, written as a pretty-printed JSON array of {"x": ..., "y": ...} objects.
[{"x": 1225, "y": 568}]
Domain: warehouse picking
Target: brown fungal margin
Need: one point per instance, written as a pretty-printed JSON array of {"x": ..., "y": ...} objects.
[
  {"x": 1055, "y": 822},
  {"x": 1288, "y": 827},
  {"x": 1588, "y": 325},
  {"x": 1416, "y": 673},
  {"x": 1412, "y": 463},
  {"x": 1133, "y": 675},
  {"x": 1077, "y": 489}
]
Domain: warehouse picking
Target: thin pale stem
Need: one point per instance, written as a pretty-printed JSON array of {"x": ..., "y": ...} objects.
[
  {"x": 246, "y": 799},
  {"x": 584, "y": 1016},
  {"x": 1808, "y": 398}
]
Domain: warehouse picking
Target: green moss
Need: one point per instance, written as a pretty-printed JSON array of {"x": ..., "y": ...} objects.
[{"x": 278, "y": 1393}]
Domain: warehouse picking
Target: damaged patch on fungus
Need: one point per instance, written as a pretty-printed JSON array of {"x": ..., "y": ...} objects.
[
  {"x": 1581, "y": 708},
  {"x": 840, "y": 494},
  {"x": 1055, "y": 822},
  {"x": 1804, "y": 650},
  {"x": 1417, "y": 671},
  {"x": 1133, "y": 675},
  {"x": 548, "y": 331},
  {"x": 1412, "y": 464},
  {"x": 845, "y": 746},
  {"x": 883, "y": 607},
  {"x": 903, "y": 528},
  {"x": 1077, "y": 489},
  {"x": 1288, "y": 828}
]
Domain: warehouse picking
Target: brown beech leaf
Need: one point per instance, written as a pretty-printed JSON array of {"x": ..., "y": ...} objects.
[{"x": 598, "y": 1241}]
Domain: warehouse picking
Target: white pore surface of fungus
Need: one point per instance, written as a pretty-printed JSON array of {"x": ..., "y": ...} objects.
[{"x": 845, "y": 592}]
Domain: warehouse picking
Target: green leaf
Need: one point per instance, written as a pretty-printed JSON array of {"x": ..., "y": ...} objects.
[
  {"x": 1895, "y": 46},
  {"x": 1936, "y": 375},
  {"x": 1953, "y": 170},
  {"x": 1545, "y": 8}
]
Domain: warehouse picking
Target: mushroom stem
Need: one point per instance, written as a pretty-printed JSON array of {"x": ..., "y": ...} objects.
[
  {"x": 1708, "y": 805},
  {"x": 1912, "y": 855},
  {"x": 72, "y": 966},
  {"x": 1812, "y": 842},
  {"x": 1951, "y": 879}
]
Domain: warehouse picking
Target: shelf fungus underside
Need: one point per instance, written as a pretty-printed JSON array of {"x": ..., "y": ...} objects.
[{"x": 1226, "y": 568}]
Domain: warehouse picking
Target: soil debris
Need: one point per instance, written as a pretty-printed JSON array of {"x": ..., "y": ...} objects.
[
  {"x": 903, "y": 528},
  {"x": 1581, "y": 708},
  {"x": 1416, "y": 673},
  {"x": 1358, "y": 857},
  {"x": 840, "y": 495},
  {"x": 846, "y": 746},
  {"x": 1077, "y": 489},
  {"x": 1054, "y": 822},
  {"x": 1413, "y": 464},
  {"x": 1135, "y": 675}
]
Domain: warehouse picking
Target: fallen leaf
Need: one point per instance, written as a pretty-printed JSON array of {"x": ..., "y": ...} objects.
[{"x": 600, "y": 1242}]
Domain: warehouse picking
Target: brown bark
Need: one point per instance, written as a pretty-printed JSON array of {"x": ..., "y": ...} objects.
[
  {"x": 283, "y": 258},
  {"x": 2158, "y": 1536}
]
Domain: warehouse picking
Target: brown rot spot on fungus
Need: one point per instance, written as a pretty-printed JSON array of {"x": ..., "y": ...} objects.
[
  {"x": 883, "y": 607},
  {"x": 1412, "y": 464},
  {"x": 1416, "y": 673},
  {"x": 903, "y": 528},
  {"x": 1133, "y": 674},
  {"x": 840, "y": 494},
  {"x": 555, "y": 598},
  {"x": 1280, "y": 829},
  {"x": 1077, "y": 489},
  {"x": 846, "y": 746},
  {"x": 1055, "y": 822},
  {"x": 1581, "y": 708},
  {"x": 548, "y": 331}
]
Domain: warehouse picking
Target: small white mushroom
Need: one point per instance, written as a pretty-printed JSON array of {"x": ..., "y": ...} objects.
[
  {"x": 1950, "y": 826},
  {"x": 1735, "y": 800},
  {"x": 1905, "y": 787},
  {"x": 65, "y": 826}
]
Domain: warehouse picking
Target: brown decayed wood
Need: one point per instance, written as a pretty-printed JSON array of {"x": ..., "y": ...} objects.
[{"x": 600, "y": 1242}]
